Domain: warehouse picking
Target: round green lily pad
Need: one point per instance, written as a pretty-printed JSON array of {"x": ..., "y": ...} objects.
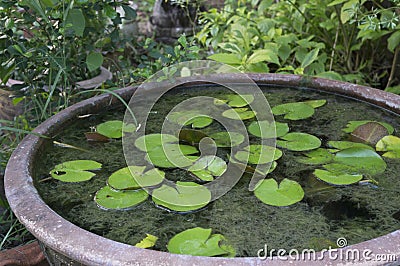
[
  {"x": 239, "y": 113},
  {"x": 266, "y": 130},
  {"x": 318, "y": 156},
  {"x": 227, "y": 139},
  {"x": 208, "y": 167},
  {"x": 390, "y": 145},
  {"x": 286, "y": 193},
  {"x": 235, "y": 100},
  {"x": 75, "y": 171},
  {"x": 114, "y": 129},
  {"x": 152, "y": 141},
  {"x": 337, "y": 178},
  {"x": 119, "y": 200},
  {"x": 191, "y": 117},
  {"x": 258, "y": 154},
  {"x": 299, "y": 142},
  {"x": 134, "y": 177},
  {"x": 186, "y": 196},
  {"x": 315, "y": 103},
  {"x": 294, "y": 111},
  {"x": 199, "y": 242},
  {"x": 172, "y": 155}
]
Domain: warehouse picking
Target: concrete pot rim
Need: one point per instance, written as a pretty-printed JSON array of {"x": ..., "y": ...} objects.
[{"x": 88, "y": 248}]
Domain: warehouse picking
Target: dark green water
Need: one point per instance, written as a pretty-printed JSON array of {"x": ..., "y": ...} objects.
[{"x": 356, "y": 212}]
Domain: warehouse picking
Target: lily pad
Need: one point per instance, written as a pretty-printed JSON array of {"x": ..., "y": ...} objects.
[
  {"x": 153, "y": 141},
  {"x": 315, "y": 103},
  {"x": 337, "y": 178},
  {"x": 258, "y": 154},
  {"x": 208, "y": 167},
  {"x": 114, "y": 129},
  {"x": 318, "y": 156},
  {"x": 227, "y": 139},
  {"x": 199, "y": 242},
  {"x": 134, "y": 177},
  {"x": 365, "y": 161},
  {"x": 119, "y": 200},
  {"x": 266, "y": 130},
  {"x": 147, "y": 242},
  {"x": 391, "y": 145},
  {"x": 299, "y": 142},
  {"x": 239, "y": 113},
  {"x": 352, "y": 125},
  {"x": 286, "y": 193},
  {"x": 370, "y": 132},
  {"x": 235, "y": 100},
  {"x": 172, "y": 155},
  {"x": 186, "y": 196},
  {"x": 342, "y": 145},
  {"x": 294, "y": 111},
  {"x": 191, "y": 117},
  {"x": 75, "y": 171}
]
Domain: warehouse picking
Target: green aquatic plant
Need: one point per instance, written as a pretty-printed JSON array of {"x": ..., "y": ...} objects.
[
  {"x": 172, "y": 155},
  {"x": 200, "y": 242},
  {"x": 227, "y": 139},
  {"x": 258, "y": 154},
  {"x": 184, "y": 197},
  {"x": 235, "y": 100},
  {"x": 390, "y": 145},
  {"x": 192, "y": 117},
  {"x": 286, "y": 193},
  {"x": 267, "y": 130},
  {"x": 152, "y": 141},
  {"x": 242, "y": 113},
  {"x": 147, "y": 242},
  {"x": 352, "y": 125},
  {"x": 297, "y": 141},
  {"x": 114, "y": 129},
  {"x": 208, "y": 167},
  {"x": 135, "y": 177},
  {"x": 75, "y": 171},
  {"x": 108, "y": 198},
  {"x": 297, "y": 110}
]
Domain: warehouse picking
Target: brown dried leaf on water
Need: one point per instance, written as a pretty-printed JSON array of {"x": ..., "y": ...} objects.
[
  {"x": 96, "y": 137},
  {"x": 370, "y": 132}
]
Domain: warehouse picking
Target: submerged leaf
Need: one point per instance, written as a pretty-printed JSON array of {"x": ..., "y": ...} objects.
[
  {"x": 147, "y": 242},
  {"x": 299, "y": 142},
  {"x": 352, "y": 125},
  {"x": 199, "y": 242},
  {"x": 294, "y": 111},
  {"x": 186, "y": 196},
  {"x": 75, "y": 171},
  {"x": 391, "y": 145},
  {"x": 287, "y": 193},
  {"x": 111, "y": 199},
  {"x": 265, "y": 129},
  {"x": 191, "y": 136},
  {"x": 227, "y": 139}
]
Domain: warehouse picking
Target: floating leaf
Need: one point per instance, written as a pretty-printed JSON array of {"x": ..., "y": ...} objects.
[
  {"x": 113, "y": 129},
  {"x": 208, "y": 167},
  {"x": 390, "y": 144},
  {"x": 337, "y": 178},
  {"x": 318, "y": 156},
  {"x": 258, "y": 154},
  {"x": 370, "y": 132},
  {"x": 111, "y": 199},
  {"x": 239, "y": 113},
  {"x": 199, "y": 242},
  {"x": 94, "y": 136},
  {"x": 352, "y": 125},
  {"x": 147, "y": 242},
  {"x": 365, "y": 161},
  {"x": 341, "y": 145},
  {"x": 315, "y": 103},
  {"x": 152, "y": 141},
  {"x": 266, "y": 130},
  {"x": 299, "y": 142},
  {"x": 294, "y": 111},
  {"x": 287, "y": 193},
  {"x": 187, "y": 196},
  {"x": 171, "y": 155},
  {"x": 235, "y": 100},
  {"x": 191, "y": 117},
  {"x": 75, "y": 171},
  {"x": 227, "y": 139},
  {"x": 134, "y": 177}
]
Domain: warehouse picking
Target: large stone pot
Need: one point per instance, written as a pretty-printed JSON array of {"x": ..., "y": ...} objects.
[{"x": 65, "y": 242}]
